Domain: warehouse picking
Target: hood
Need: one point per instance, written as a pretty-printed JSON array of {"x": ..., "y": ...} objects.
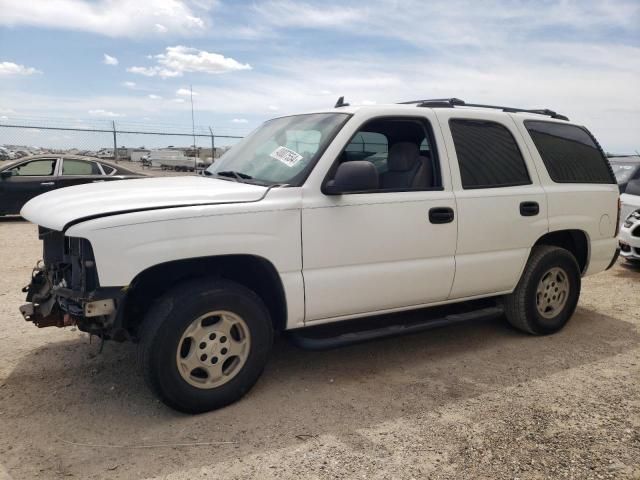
[{"x": 60, "y": 208}]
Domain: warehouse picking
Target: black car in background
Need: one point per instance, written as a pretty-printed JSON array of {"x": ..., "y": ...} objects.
[
  {"x": 28, "y": 177},
  {"x": 625, "y": 168}
]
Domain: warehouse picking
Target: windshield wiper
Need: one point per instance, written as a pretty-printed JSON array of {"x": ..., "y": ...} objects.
[{"x": 239, "y": 176}]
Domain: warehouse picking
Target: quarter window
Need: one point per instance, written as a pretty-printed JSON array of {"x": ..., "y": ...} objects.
[
  {"x": 487, "y": 154},
  {"x": 108, "y": 170},
  {"x": 569, "y": 153}
]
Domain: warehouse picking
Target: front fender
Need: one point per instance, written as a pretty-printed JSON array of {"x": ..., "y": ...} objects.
[{"x": 122, "y": 252}]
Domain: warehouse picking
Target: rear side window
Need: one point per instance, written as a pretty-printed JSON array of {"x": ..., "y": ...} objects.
[
  {"x": 487, "y": 154},
  {"x": 569, "y": 153},
  {"x": 79, "y": 167}
]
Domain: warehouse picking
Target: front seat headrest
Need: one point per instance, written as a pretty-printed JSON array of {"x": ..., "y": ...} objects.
[{"x": 402, "y": 156}]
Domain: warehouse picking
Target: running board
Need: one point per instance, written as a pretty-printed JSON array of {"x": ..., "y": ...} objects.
[{"x": 305, "y": 338}]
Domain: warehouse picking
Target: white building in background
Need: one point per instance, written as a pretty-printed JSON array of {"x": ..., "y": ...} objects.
[{"x": 137, "y": 154}]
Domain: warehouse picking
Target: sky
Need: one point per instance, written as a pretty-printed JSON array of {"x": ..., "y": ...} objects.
[{"x": 134, "y": 61}]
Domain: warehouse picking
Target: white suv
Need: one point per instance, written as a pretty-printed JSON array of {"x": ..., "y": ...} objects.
[{"x": 321, "y": 219}]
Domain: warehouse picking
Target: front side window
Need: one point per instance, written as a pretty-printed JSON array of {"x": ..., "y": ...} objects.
[
  {"x": 488, "y": 155},
  {"x": 399, "y": 149},
  {"x": 282, "y": 150},
  {"x": 371, "y": 146},
  {"x": 569, "y": 153},
  {"x": 36, "y": 168},
  {"x": 79, "y": 167}
]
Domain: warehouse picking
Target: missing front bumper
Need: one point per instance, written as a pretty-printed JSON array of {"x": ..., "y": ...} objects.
[{"x": 55, "y": 318}]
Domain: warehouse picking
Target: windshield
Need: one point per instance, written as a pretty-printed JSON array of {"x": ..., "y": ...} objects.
[
  {"x": 282, "y": 150},
  {"x": 624, "y": 171}
]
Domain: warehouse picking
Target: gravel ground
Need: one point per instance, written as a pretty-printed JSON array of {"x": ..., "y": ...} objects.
[{"x": 469, "y": 401}]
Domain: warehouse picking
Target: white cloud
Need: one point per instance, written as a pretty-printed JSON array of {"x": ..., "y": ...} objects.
[
  {"x": 109, "y": 60},
  {"x": 179, "y": 59},
  {"x": 153, "y": 96},
  {"x": 147, "y": 72},
  {"x": 10, "y": 68},
  {"x": 185, "y": 59},
  {"x": 239, "y": 120},
  {"x": 368, "y": 102},
  {"x": 104, "y": 113},
  {"x": 113, "y": 18},
  {"x": 273, "y": 108},
  {"x": 301, "y": 14},
  {"x": 4, "y": 117},
  {"x": 160, "y": 28},
  {"x": 178, "y": 100},
  {"x": 451, "y": 22},
  {"x": 185, "y": 92},
  {"x": 129, "y": 84}
]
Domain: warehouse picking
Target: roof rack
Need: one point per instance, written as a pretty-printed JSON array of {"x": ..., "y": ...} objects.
[{"x": 456, "y": 102}]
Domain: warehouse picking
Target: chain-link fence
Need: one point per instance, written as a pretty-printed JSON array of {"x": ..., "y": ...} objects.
[{"x": 160, "y": 146}]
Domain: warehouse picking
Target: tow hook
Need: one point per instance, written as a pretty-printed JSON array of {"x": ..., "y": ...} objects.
[{"x": 55, "y": 319}]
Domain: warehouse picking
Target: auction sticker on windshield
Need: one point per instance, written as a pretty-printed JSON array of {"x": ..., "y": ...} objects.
[{"x": 286, "y": 156}]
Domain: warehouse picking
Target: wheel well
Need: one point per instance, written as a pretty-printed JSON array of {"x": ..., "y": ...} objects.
[
  {"x": 253, "y": 272},
  {"x": 574, "y": 241}
]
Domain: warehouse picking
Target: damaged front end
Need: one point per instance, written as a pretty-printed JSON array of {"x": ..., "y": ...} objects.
[{"x": 64, "y": 288}]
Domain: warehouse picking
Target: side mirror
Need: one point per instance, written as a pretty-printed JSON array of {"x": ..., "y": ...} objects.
[
  {"x": 355, "y": 176},
  {"x": 6, "y": 174}
]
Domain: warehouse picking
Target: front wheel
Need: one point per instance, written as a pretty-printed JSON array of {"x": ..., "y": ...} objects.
[
  {"x": 548, "y": 292},
  {"x": 205, "y": 344}
]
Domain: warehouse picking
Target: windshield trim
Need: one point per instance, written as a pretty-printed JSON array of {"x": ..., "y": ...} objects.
[{"x": 301, "y": 177}]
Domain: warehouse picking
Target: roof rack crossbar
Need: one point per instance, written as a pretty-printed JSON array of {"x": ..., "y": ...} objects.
[{"x": 456, "y": 102}]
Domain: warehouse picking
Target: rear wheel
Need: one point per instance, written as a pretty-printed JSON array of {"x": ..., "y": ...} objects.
[
  {"x": 205, "y": 344},
  {"x": 548, "y": 292}
]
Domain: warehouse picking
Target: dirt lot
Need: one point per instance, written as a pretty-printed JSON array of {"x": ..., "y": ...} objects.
[{"x": 469, "y": 401}]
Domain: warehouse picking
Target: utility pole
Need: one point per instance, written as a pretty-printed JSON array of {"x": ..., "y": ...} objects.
[
  {"x": 115, "y": 141},
  {"x": 193, "y": 131},
  {"x": 213, "y": 146}
]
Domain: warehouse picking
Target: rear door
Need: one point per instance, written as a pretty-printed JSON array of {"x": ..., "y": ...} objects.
[
  {"x": 502, "y": 208},
  {"x": 29, "y": 179}
]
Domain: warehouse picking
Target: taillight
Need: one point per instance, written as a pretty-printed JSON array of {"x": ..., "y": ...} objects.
[{"x": 618, "y": 218}]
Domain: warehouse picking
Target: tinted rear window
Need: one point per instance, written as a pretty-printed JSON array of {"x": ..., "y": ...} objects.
[
  {"x": 569, "y": 153},
  {"x": 487, "y": 154}
]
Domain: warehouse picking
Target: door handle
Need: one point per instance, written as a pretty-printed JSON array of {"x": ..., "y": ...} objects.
[
  {"x": 439, "y": 215},
  {"x": 47, "y": 184},
  {"x": 529, "y": 209}
]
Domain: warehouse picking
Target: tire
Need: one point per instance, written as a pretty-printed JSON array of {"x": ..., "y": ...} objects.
[
  {"x": 536, "y": 306},
  {"x": 172, "y": 332}
]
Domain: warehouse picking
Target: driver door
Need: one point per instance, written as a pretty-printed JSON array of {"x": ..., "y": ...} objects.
[
  {"x": 381, "y": 250},
  {"x": 28, "y": 179}
]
